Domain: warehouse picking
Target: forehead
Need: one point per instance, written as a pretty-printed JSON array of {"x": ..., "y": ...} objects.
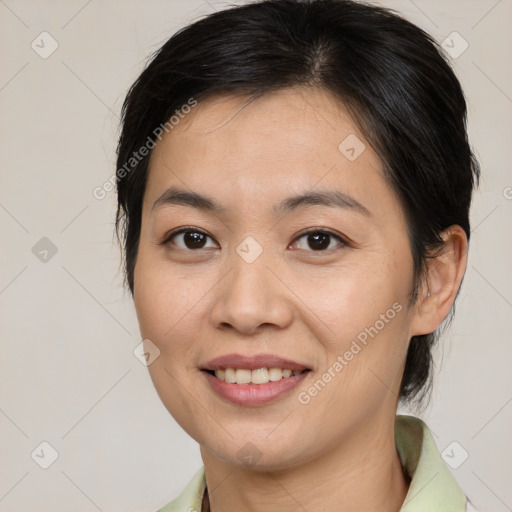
[
  {"x": 276, "y": 144},
  {"x": 290, "y": 121}
]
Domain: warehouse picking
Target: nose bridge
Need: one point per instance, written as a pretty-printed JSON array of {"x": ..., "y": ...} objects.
[{"x": 251, "y": 295}]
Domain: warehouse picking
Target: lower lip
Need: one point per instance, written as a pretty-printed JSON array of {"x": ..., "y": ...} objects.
[{"x": 252, "y": 395}]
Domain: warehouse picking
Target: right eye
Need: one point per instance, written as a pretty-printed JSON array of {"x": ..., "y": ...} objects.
[{"x": 189, "y": 239}]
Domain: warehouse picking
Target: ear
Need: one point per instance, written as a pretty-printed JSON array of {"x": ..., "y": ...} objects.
[{"x": 440, "y": 286}]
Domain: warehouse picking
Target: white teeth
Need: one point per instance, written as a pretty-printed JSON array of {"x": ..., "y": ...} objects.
[
  {"x": 258, "y": 376},
  {"x": 275, "y": 374},
  {"x": 243, "y": 376},
  {"x": 229, "y": 375}
]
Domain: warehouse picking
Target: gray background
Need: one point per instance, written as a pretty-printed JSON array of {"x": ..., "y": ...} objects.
[{"x": 68, "y": 330}]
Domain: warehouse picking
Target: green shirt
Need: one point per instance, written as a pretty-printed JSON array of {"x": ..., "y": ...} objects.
[{"x": 432, "y": 487}]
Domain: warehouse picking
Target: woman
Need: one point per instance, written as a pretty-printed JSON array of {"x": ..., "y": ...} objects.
[{"x": 294, "y": 183}]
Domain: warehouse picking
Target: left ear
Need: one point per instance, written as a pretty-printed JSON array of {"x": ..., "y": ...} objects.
[{"x": 440, "y": 286}]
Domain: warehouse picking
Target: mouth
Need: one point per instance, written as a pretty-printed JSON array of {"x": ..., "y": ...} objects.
[{"x": 253, "y": 381}]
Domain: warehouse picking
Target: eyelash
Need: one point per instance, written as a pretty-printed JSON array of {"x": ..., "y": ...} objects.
[{"x": 343, "y": 242}]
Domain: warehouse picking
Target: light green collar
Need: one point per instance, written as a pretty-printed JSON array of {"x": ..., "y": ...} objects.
[{"x": 432, "y": 485}]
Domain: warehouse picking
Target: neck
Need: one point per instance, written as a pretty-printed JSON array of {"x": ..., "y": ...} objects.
[{"x": 362, "y": 473}]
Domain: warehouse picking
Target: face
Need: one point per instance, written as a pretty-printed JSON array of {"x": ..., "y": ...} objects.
[{"x": 297, "y": 249}]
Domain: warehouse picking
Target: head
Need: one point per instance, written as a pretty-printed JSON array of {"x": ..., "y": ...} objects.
[{"x": 357, "y": 111}]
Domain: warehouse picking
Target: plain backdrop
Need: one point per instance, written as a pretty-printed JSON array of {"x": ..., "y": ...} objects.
[{"x": 68, "y": 373}]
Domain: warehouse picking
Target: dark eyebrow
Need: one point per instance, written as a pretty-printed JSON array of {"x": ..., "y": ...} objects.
[
  {"x": 331, "y": 198},
  {"x": 175, "y": 195}
]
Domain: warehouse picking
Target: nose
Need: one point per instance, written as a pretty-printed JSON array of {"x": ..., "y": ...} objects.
[{"x": 251, "y": 297}]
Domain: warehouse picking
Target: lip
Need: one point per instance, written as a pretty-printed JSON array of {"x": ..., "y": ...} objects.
[
  {"x": 239, "y": 361},
  {"x": 253, "y": 395}
]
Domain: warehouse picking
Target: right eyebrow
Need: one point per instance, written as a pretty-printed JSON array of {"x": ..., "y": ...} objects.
[{"x": 175, "y": 195}]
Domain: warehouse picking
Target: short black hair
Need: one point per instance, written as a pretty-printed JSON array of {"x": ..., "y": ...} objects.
[{"x": 390, "y": 75}]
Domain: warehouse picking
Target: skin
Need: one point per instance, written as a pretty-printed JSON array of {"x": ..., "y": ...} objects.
[{"x": 337, "y": 452}]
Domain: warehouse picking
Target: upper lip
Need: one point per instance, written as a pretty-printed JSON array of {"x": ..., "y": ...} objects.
[{"x": 238, "y": 361}]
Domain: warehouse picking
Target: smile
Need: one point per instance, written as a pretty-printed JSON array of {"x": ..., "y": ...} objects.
[{"x": 244, "y": 392}]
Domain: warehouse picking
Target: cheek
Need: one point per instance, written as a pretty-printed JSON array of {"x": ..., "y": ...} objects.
[
  {"x": 364, "y": 321},
  {"x": 167, "y": 308},
  {"x": 354, "y": 299},
  {"x": 169, "y": 303}
]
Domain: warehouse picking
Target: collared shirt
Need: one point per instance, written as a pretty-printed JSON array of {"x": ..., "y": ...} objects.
[{"x": 432, "y": 487}]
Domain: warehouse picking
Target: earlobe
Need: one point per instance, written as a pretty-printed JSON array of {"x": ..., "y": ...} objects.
[{"x": 444, "y": 274}]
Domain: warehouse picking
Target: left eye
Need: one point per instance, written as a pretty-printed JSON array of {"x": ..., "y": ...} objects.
[{"x": 319, "y": 240}]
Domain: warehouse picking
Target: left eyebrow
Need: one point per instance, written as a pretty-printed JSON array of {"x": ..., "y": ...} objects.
[{"x": 330, "y": 198}]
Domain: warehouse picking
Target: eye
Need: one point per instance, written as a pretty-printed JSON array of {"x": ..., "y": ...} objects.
[
  {"x": 189, "y": 239},
  {"x": 318, "y": 240}
]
